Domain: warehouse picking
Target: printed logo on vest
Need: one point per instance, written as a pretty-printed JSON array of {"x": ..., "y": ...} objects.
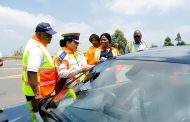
[{"x": 62, "y": 55}]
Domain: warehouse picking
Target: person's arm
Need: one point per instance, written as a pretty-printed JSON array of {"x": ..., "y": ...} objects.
[
  {"x": 64, "y": 72},
  {"x": 32, "y": 80},
  {"x": 83, "y": 60},
  {"x": 35, "y": 59}
]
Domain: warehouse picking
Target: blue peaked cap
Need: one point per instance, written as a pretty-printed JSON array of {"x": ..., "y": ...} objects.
[
  {"x": 45, "y": 27},
  {"x": 74, "y": 36}
]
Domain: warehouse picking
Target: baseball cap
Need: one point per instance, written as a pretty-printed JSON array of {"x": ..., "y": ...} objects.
[{"x": 45, "y": 27}]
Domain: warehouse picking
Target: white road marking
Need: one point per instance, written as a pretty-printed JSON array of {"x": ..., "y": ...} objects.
[{"x": 11, "y": 76}]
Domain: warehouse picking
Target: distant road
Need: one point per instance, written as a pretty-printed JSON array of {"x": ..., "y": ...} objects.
[{"x": 10, "y": 80}]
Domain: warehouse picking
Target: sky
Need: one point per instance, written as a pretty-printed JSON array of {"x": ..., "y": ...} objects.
[{"x": 156, "y": 19}]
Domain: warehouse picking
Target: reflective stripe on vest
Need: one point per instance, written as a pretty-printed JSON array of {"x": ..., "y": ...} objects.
[
  {"x": 46, "y": 77},
  {"x": 43, "y": 83}
]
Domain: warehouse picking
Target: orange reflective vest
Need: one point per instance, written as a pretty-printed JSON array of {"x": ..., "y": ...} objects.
[
  {"x": 46, "y": 76},
  {"x": 90, "y": 55}
]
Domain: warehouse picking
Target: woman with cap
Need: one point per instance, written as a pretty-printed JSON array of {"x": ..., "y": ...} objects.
[
  {"x": 105, "y": 51},
  {"x": 95, "y": 40},
  {"x": 70, "y": 61}
]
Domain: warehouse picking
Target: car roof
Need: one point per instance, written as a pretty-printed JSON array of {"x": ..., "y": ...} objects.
[{"x": 173, "y": 54}]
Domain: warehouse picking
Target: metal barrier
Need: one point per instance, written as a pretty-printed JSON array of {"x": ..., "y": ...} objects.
[{"x": 12, "y": 58}]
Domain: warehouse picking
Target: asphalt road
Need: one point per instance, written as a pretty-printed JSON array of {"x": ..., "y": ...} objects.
[{"x": 10, "y": 79}]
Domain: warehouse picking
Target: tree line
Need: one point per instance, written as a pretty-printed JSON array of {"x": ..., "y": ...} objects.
[{"x": 180, "y": 42}]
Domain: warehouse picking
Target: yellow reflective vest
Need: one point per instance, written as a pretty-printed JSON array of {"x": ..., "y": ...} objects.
[
  {"x": 46, "y": 76},
  {"x": 90, "y": 55}
]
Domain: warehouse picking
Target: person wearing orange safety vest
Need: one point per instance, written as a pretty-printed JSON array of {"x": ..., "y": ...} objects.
[
  {"x": 39, "y": 73},
  {"x": 105, "y": 51},
  {"x": 70, "y": 61},
  {"x": 95, "y": 40},
  {"x": 136, "y": 45}
]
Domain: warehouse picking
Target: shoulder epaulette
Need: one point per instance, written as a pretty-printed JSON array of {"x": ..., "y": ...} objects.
[{"x": 62, "y": 54}]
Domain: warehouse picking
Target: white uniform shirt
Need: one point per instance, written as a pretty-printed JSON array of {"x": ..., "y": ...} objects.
[
  {"x": 35, "y": 59},
  {"x": 76, "y": 67}
]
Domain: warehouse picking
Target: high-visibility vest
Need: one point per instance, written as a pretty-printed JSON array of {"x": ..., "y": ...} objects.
[
  {"x": 46, "y": 76},
  {"x": 72, "y": 60},
  {"x": 132, "y": 47},
  {"x": 90, "y": 55},
  {"x": 97, "y": 54}
]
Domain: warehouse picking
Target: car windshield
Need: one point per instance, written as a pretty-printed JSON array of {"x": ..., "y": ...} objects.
[{"x": 131, "y": 90}]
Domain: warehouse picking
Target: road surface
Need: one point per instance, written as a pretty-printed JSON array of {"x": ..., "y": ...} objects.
[{"x": 10, "y": 79}]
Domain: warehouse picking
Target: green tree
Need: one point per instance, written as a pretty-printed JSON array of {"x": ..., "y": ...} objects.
[
  {"x": 178, "y": 38},
  {"x": 168, "y": 42},
  {"x": 119, "y": 41},
  {"x": 181, "y": 43},
  {"x": 18, "y": 52}
]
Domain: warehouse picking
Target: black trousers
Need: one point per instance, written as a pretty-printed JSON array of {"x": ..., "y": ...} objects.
[{"x": 29, "y": 98}]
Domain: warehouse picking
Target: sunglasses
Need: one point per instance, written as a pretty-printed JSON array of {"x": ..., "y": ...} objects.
[{"x": 137, "y": 36}]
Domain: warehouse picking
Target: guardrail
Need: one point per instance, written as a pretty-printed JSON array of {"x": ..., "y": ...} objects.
[{"x": 12, "y": 58}]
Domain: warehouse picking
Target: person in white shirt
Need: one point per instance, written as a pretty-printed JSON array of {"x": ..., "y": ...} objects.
[
  {"x": 39, "y": 73},
  {"x": 136, "y": 45}
]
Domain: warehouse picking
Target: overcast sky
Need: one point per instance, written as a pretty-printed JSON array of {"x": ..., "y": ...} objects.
[{"x": 156, "y": 19}]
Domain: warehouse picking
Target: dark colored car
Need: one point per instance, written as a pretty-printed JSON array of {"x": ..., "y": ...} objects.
[{"x": 148, "y": 86}]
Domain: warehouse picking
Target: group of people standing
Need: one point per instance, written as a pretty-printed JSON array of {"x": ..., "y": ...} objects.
[{"x": 43, "y": 75}]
